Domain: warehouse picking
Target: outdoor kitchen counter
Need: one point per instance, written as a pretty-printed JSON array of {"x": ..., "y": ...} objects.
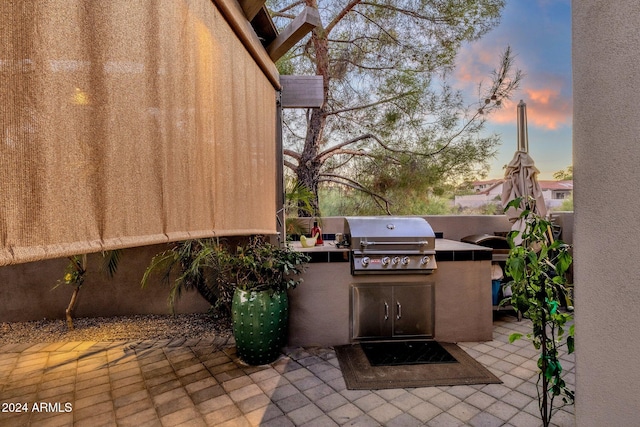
[
  {"x": 445, "y": 247},
  {"x": 319, "y": 307}
]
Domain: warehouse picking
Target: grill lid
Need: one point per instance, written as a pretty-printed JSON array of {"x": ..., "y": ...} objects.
[
  {"x": 390, "y": 245},
  {"x": 386, "y": 232}
]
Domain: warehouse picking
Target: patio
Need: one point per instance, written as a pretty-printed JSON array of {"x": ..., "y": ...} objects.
[{"x": 200, "y": 383}]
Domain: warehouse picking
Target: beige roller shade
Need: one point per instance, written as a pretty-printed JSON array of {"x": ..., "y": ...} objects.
[{"x": 126, "y": 123}]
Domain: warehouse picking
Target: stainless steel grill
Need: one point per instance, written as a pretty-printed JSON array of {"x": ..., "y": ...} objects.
[{"x": 390, "y": 245}]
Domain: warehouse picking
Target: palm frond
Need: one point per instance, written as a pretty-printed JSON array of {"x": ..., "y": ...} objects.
[{"x": 110, "y": 261}]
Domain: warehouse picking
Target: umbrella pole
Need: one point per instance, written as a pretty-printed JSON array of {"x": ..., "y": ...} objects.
[{"x": 523, "y": 136}]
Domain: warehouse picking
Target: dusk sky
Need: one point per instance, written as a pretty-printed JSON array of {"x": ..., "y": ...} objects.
[{"x": 539, "y": 33}]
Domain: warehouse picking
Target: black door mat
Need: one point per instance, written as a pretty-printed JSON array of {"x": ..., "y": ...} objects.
[
  {"x": 406, "y": 353},
  {"x": 359, "y": 374}
]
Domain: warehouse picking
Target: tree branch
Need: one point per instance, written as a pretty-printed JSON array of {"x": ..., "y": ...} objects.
[
  {"x": 292, "y": 153},
  {"x": 332, "y": 151},
  {"x": 348, "y": 182},
  {"x": 340, "y": 15},
  {"x": 373, "y": 104},
  {"x": 290, "y": 165},
  {"x": 380, "y": 27},
  {"x": 341, "y": 164},
  {"x": 281, "y": 13},
  {"x": 500, "y": 89},
  {"x": 409, "y": 13}
]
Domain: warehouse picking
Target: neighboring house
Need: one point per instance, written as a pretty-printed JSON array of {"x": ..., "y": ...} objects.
[
  {"x": 491, "y": 186},
  {"x": 490, "y": 191}
]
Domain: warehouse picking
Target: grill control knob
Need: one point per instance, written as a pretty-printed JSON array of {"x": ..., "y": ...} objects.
[
  {"x": 395, "y": 260},
  {"x": 365, "y": 261},
  {"x": 385, "y": 261},
  {"x": 405, "y": 260},
  {"x": 425, "y": 260}
]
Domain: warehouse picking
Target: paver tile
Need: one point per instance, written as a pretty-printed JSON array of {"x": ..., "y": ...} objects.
[
  {"x": 180, "y": 416},
  {"x": 404, "y": 420},
  {"x": 463, "y": 411},
  {"x": 223, "y": 414},
  {"x": 127, "y": 399},
  {"x": 445, "y": 420},
  {"x": 345, "y": 413},
  {"x": 330, "y": 402},
  {"x": 305, "y": 414},
  {"x": 140, "y": 405},
  {"x": 502, "y": 410},
  {"x": 214, "y": 404},
  {"x": 138, "y": 418},
  {"x": 321, "y": 421},
  {"x": 369, "y": 402},
  {"x": 245, "y": 392},
  {"x": 384, "y": 412},
  {"x": 293, "y": 402},
  {"x": 424, "y": 411},
  {"x": 259, "y": 416},
  {"x": 174, "y": 405}
]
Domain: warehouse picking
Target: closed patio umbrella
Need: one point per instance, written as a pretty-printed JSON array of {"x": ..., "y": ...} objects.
[{"x": 521, "y": 178}]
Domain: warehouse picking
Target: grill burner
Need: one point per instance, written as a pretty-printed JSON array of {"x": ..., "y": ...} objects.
[{"x": 390, "y": 245}]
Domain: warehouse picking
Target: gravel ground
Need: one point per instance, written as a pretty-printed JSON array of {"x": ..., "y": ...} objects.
[{"x": 125, "y": 328}]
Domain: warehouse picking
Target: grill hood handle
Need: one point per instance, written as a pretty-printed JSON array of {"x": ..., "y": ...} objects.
[{"x": 418, "y": 243}]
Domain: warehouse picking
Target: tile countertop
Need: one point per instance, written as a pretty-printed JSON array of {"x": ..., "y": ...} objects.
[{"x": 441, "y": 245}]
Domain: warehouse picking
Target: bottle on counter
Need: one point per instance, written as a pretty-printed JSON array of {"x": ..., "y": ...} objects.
[{"x": 317, "y": 231}]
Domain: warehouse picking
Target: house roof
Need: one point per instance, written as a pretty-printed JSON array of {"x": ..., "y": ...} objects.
[
  {"x": 489, "y": 181},
  {"x": 566, "y": 185}
]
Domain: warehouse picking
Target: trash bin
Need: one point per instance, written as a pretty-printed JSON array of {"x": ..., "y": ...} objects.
[
  {"x": 495, "y": 291},
  {"x": 496, "y": 282}
]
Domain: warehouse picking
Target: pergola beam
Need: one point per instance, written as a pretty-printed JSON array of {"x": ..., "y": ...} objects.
[
  {"x": 251, "y": 7},
  {"x": 295, "y": 31}
]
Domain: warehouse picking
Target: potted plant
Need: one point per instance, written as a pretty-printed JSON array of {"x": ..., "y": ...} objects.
[
  {"x": 250, "y": 281},
  {"x": 262, "y": 274}
]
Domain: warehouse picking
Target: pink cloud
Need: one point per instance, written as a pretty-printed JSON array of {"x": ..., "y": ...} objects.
[
  {"x": 546, "y": 109},
  {"x": 547, "y": 106}
]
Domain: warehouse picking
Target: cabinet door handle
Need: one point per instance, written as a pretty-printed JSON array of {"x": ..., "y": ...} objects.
[
  {"x": 399, "y": 315},
  {"x": 386, "y": 311}
]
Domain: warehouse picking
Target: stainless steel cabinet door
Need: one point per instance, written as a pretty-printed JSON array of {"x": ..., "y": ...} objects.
[
  {"x": 372, "y": 315},
  {"x": 413, "y": 310}
]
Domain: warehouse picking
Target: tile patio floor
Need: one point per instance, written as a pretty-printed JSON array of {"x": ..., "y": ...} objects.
[{"x": 198, "y": 383}]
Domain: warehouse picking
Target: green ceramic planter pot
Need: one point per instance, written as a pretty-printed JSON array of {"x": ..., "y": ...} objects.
[{"x": 260, "y": 322}]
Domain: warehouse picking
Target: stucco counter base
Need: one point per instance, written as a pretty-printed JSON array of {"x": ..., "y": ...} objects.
[{"x": 319, "y": 307}]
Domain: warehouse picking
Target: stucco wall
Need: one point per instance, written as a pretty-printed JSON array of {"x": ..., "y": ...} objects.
[
  {"x": 606, "y": 70},
  {"x": 455, "y": 227},
  {"x": 26, "y": 289}
]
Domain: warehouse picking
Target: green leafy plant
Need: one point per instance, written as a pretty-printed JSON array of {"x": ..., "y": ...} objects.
[
  {"x": 260, "y": 266},
  {"x": 213, "y": 269},
  {"x": 75, "y": 273},
  {"x": 538, "y": 268},
  {"x": 298, "y": 208},
  {"x": 199, "y": 264}
]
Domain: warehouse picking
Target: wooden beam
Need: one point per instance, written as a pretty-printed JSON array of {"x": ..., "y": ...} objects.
[
  {"x": 234, "y": 15},
  {"x": 251, "y": 7},
  {"x": 302, "y": 91},
  {"x": 295, "y": 31}
]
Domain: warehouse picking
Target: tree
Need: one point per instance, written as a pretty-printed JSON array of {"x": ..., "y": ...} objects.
[
  {"x": 75, "y": 273},
  {"x": 538, "y": 268},
  {"x": 564, "y": 174},
  {"x": 388, "y": 107}
]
